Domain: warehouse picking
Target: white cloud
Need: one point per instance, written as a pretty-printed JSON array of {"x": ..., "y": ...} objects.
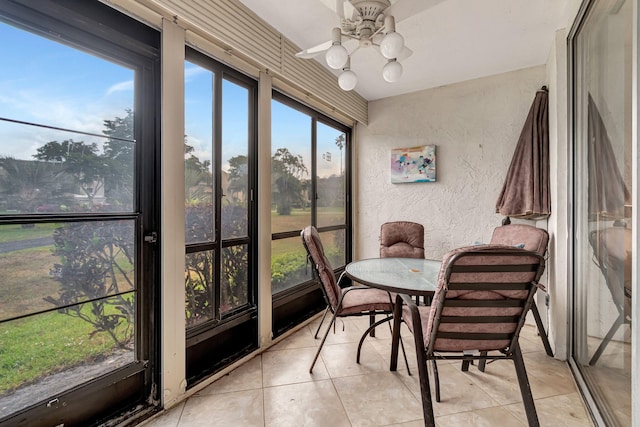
[
  {"x": 191, "y": 72},
  {"x": 120, "y": 87}
]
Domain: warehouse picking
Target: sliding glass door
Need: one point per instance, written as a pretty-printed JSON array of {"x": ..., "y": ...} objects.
[
  {"x": 601, "y": 54},
  {"x": 77, "y": 143}
]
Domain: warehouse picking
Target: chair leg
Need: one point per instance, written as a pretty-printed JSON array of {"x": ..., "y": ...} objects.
[
  {"x": 541, "y": 331},
  {"x": 465, "y": 365},
  {"x": 607, "y": 338},
  {"x": 525, "y": 389},
  {"x": 396, "y": 339},
  {"x": 395, "y": 333},
  {"x": 425, "y": 390},
  {"x": 321, "y": 322},
  {"x": 324, "y": 338},
  {"x": 368, "y": 332},
  {"x": 482, "y": 362},
  {"x": 404, "y": 352},
  {"x": 372, "y": 320},
  {"x": 436, "y": 378}
]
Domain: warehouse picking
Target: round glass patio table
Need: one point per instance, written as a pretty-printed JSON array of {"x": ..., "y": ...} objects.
[{"x": 411, "y": 276}]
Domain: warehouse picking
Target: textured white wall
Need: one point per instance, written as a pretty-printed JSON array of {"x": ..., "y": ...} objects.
[{"x": 475, "y": 126}]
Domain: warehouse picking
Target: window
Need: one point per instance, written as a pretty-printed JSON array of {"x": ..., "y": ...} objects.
[
  {"x": 219, "y": 180},
  {"x": 309, "y": 186}
]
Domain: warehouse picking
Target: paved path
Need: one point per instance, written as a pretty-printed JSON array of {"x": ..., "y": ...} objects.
[{"x": 25, "y": 244}]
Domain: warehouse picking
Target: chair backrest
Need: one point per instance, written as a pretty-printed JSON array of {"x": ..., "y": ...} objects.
[
  {"x": 482, "y": 298},
  {"x": 402, "y": 239},
  {"x": 533, "y": 238},
  {"x": 612, "y": 249},
  {"x": 321, "y": 265}
]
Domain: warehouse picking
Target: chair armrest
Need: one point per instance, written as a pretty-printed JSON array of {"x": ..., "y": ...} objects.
[{"x": 341, "y": 279}]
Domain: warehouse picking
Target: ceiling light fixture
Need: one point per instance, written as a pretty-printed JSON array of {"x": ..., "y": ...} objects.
[
  {"x": 392, "y": 71},
  {"x": 371, "y": 24},
  {"x": 348, "y": 79},
  {"x": 336, "y": 55},
  {"x": 392, "y": 44}
]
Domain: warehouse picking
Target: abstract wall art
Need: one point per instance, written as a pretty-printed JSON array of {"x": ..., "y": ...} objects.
[{"x": 414, "y": 164}]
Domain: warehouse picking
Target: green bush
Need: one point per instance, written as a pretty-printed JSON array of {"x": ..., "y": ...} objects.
[{"x": 288, "y": 270}]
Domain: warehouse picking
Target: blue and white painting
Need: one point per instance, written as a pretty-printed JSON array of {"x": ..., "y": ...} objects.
[{"x": 415, "y": 164}]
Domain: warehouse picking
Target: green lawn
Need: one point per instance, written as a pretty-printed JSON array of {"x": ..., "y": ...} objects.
[
  {"x": 41, "y": 345},
  {"x": 300, "y": 218},
  {"x": 33, "y": 347},
  {"x": 15, "y": 232}
]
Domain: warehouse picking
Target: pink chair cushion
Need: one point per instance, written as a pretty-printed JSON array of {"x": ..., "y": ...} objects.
[
  {"x": 322, "y": 265},
  {"x": 356, "y": 299},
  {"x": 402, "y": 239},
  {"x": 443, "y": 292},
  {"x": 359, "y": 299},
  {"x": 534, "y": 239}
]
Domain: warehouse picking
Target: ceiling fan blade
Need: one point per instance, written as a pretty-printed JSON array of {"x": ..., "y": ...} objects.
[
  {"x": 404, "y": 9},
  {"x": 350, "y": 11},
  {"x": 406, "y": 52},
  {"x": 351, "y": 45},
  {"x": 314, "y": 51}
]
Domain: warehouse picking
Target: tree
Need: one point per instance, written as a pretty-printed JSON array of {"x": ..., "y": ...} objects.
[
  {"x": 26, "y": 185},
  {"x": 200, "y": 283},
  {"x": 198, "y": 181},
  {"x": 287, "y": 185},
  {"x": 97, "y": 260},
  {"x": 238, "y": 176},
  {"x": 79, "y": 160},
  {"x": 118, "y": 157},
  {"x": 340, "y": 142}
]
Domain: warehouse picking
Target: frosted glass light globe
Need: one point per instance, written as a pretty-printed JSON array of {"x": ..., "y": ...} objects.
[
  {"x": 336, "y": 56},
  {"x": 347, "y": 80},
  {"x": 391, "y": 45},
  {"x": 392, "y": 71}
]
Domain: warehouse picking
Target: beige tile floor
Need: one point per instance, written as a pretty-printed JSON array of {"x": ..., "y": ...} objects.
[{"x": 276, "y": 389}]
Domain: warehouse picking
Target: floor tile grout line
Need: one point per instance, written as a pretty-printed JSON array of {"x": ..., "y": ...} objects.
[{"x": 380, "y": 351}]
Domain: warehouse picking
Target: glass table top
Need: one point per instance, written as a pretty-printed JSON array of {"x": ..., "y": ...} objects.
[{"x": 403, "y": 275}]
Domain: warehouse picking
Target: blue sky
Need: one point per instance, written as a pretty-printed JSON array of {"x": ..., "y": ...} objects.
[
  {"x": 44, "y": 82},
  {"x": 48, "y": 83}
]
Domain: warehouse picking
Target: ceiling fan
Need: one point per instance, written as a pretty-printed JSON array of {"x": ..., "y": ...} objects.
[{"x": 371, "y": 24}]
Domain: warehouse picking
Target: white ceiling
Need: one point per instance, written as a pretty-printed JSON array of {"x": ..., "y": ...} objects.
[{"x": 452, "y": 40}]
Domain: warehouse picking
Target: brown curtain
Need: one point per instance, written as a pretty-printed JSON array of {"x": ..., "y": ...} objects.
[
  {"x": 607, "y": 190},
  {"x": 525, "y": 193}
]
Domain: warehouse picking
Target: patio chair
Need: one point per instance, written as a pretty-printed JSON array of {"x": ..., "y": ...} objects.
[
  {"x": 403, "y": 239},
  {"x": 478, "y": 309},
  {"x": 532, "y": 239},
  {"x": 612, "y": 250},
  {"x": 342, "y": 301}
]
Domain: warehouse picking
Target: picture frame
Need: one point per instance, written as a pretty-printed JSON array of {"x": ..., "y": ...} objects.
[{"x": 413, "y": 164}]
